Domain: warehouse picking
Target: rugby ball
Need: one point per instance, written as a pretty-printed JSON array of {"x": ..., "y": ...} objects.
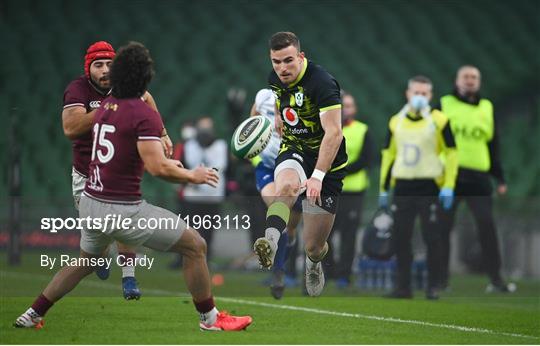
[{"x": 251, "y": 137}]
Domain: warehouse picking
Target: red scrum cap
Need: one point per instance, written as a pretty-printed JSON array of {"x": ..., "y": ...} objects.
[{"x": 98, "y": 50}]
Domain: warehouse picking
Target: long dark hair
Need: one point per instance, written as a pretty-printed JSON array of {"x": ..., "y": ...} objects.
[{"x": 131, "y": 71}]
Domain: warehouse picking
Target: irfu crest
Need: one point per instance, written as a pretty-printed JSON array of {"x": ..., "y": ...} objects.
[{"x": 299, "y": 98}]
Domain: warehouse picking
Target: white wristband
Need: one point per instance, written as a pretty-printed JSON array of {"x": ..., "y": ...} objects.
[{"x": 318, "y": 174}]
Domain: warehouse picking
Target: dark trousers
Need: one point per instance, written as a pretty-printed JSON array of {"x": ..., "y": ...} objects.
[
  {"x": 347, "y": 222},
  {"x": 477, "y": 195},
  {"x": 414, "y": 198}
]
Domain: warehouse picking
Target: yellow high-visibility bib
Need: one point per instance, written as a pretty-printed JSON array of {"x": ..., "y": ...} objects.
[
  {"x": 473, "y": 128},
  {"x": 355, "y": 134}
]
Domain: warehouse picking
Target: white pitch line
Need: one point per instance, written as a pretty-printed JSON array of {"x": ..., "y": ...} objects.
[
  {"x": 292, "y": 308},
  {"x": 376, "y": 318}
]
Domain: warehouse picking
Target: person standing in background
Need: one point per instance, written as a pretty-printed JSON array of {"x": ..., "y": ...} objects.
[
  {"x": 417, "y": 138},
  {"x": 207, "y": 150},
  {"x": 473, "y": 124},
  {"x": 349, "y": 214}
]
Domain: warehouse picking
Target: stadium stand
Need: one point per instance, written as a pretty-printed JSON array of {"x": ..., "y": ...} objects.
[{"x": 371, "y": 48}]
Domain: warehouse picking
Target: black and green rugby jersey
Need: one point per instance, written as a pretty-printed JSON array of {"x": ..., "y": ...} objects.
[{"x": 300, "y": 104}]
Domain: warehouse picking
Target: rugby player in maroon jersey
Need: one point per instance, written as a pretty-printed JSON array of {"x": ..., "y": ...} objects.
[
  {"x": 82, "y": 98},
  {"x": 126, "y": 134}
]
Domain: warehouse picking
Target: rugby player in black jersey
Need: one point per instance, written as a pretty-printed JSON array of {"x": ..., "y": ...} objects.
[{"x": 312, "y": 157}]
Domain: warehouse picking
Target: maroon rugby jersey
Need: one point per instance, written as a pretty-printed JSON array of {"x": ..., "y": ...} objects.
[
  {"x": 116, "y": 168},
  {"x": 82, "y": 93}
]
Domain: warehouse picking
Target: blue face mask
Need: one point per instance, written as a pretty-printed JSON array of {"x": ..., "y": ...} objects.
[{"x": 418, "y": 102}]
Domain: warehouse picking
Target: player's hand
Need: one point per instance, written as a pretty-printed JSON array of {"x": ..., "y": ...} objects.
[
  {"x": 313, "y": 188},
  {"x": 278, "y": 123},
  {"x": 205, "y": 175},
  {"x": 502, "y": 189},
  {"x": 167, "y": 145}
]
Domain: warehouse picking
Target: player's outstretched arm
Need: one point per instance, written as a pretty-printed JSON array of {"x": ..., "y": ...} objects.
[
  {"x": 158, "y": 165},
  {"x": 76, "y": 122}
]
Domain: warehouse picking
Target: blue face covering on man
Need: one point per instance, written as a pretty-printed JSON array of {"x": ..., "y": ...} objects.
[{"x": 418, "y": 102}]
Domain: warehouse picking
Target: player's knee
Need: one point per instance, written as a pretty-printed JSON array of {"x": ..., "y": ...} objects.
[
  {"x": 200, "y": 246},
  {"x": 288, "y": 189},
  {"x": 195, "y": 248},
  {"x": 313, "y": 250}
]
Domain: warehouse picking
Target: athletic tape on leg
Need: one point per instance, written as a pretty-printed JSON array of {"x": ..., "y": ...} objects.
[{"x": 312, "y": 209}]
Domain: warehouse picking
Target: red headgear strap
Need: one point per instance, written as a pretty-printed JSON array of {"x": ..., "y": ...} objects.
[{"x": 98, "y": 50}]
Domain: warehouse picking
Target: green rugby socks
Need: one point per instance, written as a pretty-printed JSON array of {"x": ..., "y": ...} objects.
[{"x": 277, "y": 216}]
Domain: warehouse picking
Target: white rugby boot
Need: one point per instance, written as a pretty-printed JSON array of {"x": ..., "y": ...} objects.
[
  {"x": 314, "y": 278},
  {"x": 30, "y": 319},
  {"x": 266, "y": 251},
  {"x": 266, "y": 247}
]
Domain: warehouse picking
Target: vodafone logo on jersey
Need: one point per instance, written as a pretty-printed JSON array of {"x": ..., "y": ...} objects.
[{"x": 290, "y": 116}]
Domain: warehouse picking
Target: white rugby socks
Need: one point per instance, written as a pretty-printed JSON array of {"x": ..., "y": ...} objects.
[
  {"x": 128, "y": 271},
  {"x": 273, "y": 235},
  {"x": 210, "y": 317}
]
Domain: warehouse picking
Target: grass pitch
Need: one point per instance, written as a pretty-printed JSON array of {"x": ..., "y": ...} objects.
[{"x": 95, "y": 312}]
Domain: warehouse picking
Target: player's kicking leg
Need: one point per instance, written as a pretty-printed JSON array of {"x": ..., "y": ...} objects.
[
  {"x": 129, "y": 285},
  {"x": 287, "y": 238},
  {"x": 277, "y": 216}
]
